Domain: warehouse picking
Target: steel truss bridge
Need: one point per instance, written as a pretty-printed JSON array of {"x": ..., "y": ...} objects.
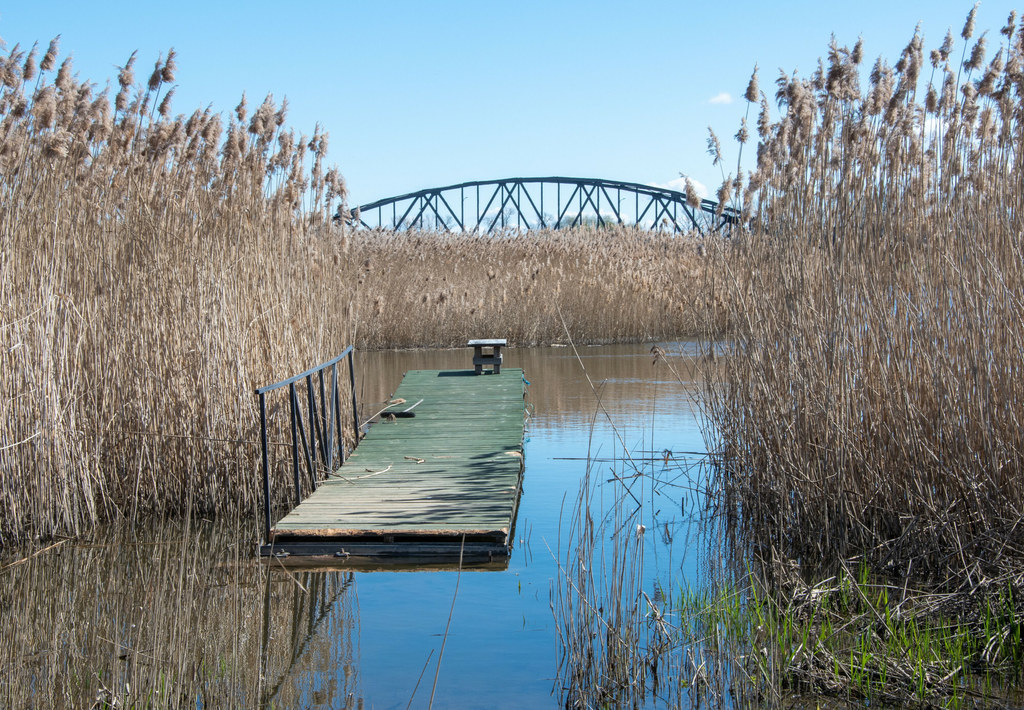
[{"x": 543, "y": 203}]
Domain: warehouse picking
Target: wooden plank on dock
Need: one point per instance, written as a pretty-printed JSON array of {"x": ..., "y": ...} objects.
[{"x": 447, "y": 473}]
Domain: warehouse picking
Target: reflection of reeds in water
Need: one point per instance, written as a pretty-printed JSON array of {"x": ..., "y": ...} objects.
[
  {"x": 178, "y": 617},
  {"x": 309, "y": 654},
  {"x": 601, "y": 627},
  {"x": 621, "y": 640},
  {"x": 626, "y": 640}
]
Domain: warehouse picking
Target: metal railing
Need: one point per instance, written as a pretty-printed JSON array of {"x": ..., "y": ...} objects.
[{"x": 319, "y": 434}]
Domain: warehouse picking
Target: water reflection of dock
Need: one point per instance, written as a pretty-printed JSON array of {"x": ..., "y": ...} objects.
[
  {"x": 437, "y": 477},
  {"x": 309, "y": 649}
]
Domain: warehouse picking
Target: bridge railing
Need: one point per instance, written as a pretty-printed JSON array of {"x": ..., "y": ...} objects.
[{"x": 315, "y": 412}]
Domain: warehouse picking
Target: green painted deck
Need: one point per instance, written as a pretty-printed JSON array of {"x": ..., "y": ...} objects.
[{"x": 444, "y": 480}]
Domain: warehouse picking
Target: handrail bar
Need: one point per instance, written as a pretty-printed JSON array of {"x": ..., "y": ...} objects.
[{"x": 307, "y": 373}]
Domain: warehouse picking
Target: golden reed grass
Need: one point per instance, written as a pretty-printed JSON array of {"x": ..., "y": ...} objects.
[
  {"x": 611, "y": 285},
  {"x": 872, "y": 400},
  {"x": 159, "y": 266},
  {"x": 148, "y": 281}
]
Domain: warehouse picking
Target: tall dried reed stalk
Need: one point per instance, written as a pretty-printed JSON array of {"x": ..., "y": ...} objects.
[
  {"x": 872, "y": 397},
  {"x": 601, "y": 623}
]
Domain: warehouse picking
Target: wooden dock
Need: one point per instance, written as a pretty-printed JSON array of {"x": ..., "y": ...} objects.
[{"x": 438, "y": 475}]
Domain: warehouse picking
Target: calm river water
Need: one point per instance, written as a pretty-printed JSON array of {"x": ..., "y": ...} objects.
[{"x": 189, "y": 614}]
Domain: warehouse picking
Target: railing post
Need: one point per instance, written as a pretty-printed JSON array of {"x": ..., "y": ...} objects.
[
  {"x": 266, "y": 467},
  {"x": 332, "y": 422},
  {"x": 304, "y": 440},
  {"x": 352, "y": 382},
  {"x": 324, "y": 443},
  {"x": 295, "y": 442},
  {"x": 337, "y": 417},
  {"x": 312, "y": 431}
]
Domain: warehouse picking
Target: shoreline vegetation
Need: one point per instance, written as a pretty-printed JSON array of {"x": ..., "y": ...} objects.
[
  {"x": 871, "y": 399},
  {"x": 867, "y": 406}
]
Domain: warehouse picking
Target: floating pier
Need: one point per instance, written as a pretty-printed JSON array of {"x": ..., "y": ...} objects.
[{"x": 438, "y": 476}]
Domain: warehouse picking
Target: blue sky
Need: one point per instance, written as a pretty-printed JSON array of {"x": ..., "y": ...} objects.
[{"x": 423, "y": 94}]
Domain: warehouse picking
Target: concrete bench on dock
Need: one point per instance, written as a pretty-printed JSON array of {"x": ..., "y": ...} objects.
[{"x": 491, "y": 357}]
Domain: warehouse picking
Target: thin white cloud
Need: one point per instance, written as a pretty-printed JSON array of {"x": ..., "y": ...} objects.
[{"x": 722, "y": 98}]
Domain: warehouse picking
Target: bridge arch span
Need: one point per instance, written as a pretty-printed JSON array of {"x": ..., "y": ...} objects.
[{"x": 484, "y": 206}]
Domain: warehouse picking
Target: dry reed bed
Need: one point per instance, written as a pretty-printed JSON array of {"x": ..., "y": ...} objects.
[
  {"x": 872, "y": 400},
  {"x": 157, "y": 267},
  {"x": 148, "y": 284},
  {"x": 609, "y": 285}
]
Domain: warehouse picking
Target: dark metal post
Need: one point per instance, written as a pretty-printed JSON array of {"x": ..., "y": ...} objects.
[
  {"x": 332, "y": 421},
  {"x": 324, "y": 444},
  {"x": 352, "y": 381},
  {"x": 266, "y": 467},
  {"x": 295, "y": 442},
  {"x": 310, "y": 462},
  {"x": 319, "y": 428},
  {"x": 313, "y": 431},
  {"x": 334, "y": 430}
]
